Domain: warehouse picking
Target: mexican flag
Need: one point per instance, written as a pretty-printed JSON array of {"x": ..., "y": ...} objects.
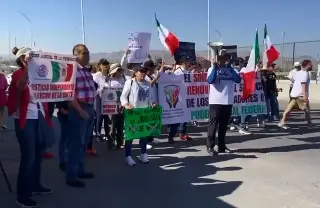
[
  {"x": 61, "y": 72},
  {"x": 270, "y": 52},
  {"x": 249, "y": 73},
  {"x": 167, "y": 38}
]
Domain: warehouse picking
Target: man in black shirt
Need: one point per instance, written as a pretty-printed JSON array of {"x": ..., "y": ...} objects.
[{"x": 269, "y": 82}]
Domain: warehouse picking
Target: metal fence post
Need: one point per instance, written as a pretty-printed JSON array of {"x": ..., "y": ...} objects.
[{"x": 293, "y": 51}]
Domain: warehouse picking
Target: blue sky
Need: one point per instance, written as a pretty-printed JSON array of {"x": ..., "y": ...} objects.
[{"x": 56, "y": 24}]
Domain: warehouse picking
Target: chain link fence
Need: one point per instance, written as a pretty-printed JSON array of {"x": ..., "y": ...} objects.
[{"x": 290, "y": 53}]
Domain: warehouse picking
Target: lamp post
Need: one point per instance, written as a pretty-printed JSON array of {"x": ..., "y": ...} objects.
[
  {"x": 282, "y": 50},
  {"x": 82, "y": 24},
  {"x": 30, "y": 25},
  {"x": 208, "y": 29}
]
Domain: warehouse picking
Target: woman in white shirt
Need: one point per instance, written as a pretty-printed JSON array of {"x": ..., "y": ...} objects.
[
  {"x": 117, "y": 79},
  {"x": 137, "y": 93},
  {"x": 100, "y": 78}
]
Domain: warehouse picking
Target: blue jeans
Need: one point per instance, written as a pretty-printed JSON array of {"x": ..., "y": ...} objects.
[
  {"x": 64, "y": 137},
  {"x": 30, "y": 159},
  {"x": 174, "y": 128},
  {"x": 273, "y": 106},
  {"x": 128, "y": 146},
  {"x": 79, "y": 132}
]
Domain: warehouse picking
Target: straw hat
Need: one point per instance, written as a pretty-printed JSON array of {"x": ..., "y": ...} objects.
[
  {"x": 23, "y": 51},
  {"x": 114, "y": 68}
]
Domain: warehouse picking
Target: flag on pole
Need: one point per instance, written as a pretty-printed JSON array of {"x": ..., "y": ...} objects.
[
  {"x": 167, "y": 38},
  {"x": 270, "y": 53},
  {"x": 249, "y": 73}
]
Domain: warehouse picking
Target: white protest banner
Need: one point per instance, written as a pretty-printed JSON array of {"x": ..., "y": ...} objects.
[
  {"x": 197, "y": 98},
  {"x": 110, "y": 100},
  {"x": 172, "y": 93},
  {"x": 139, "y": 45},
  {"x": 254, "y": 105},
  {"x": 52, "y": 76}
]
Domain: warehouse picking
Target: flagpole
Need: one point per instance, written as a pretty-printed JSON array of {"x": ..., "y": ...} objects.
[
  {"x": 208, "y": 29},
  {"x": 82, "y": 24}
]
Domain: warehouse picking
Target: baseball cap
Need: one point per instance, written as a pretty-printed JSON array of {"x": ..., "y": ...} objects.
[
  {"x": 103, "y": 61},
  {"x": 296, "y": 64}
]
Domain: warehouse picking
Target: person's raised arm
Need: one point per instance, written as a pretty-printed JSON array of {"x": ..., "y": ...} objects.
[{"x": 235, "y": 75}]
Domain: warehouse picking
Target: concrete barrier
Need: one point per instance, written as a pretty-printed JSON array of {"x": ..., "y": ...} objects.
[{"x": 314, "y": 90}]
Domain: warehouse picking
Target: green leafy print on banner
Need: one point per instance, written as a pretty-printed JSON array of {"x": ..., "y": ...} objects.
[{"x": 142, "y": 122}]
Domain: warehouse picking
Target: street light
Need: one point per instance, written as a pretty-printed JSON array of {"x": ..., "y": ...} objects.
[
  {"x": 208, "y": 29},
  {"x": 282, "y": 50},
  {"x": 29, "y": 20},
  {"x": 82, "y": 24},
  {"x": 219, "y": 34}
]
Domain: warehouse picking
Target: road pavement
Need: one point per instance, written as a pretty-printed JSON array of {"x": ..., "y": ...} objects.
[{"x": 272, "y": 168}]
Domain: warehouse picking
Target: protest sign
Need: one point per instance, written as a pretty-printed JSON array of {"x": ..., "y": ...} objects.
[
  {"x": 142, "y": 122},
  {"x": 52, "y": 76},
  {"x": 254, "y": 105},
  {"x": 185, "y": 49},
  {"x": 172, "y": 94},
  {"x": 139, "y": 45},
  {"x": 197, "y": 98},
  {"x": 110, "y": 100}
]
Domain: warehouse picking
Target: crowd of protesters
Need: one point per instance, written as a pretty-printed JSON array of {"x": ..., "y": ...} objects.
[{"x": 81, "y": 120}]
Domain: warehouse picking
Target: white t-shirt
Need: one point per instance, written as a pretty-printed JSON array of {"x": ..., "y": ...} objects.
[
  {"x": 140, "y": 94},
  {"x": 300, "y": 77},
  {"x": 32, "y": 110},
  {"x": 180, "y": 71},
  {"x": 222, "y": 92},
  {"x": 291, "y": 75}
]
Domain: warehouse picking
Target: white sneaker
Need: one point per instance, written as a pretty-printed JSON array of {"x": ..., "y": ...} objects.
[
  {"x": 149, "y": 146},
  {"x": 245, "y": 132},
  {"x": 144, "y": 158},
  {"x": 232, "y": 128},
  {"x": 283, "y": 125},
  {"x": 130, "y": 161}
]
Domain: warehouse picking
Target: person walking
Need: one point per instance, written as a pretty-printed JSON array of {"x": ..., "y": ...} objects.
[{"x": 3, "y": 98}]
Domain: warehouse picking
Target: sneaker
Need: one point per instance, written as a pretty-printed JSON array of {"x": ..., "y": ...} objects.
[
  {"x": 149, "y": 146},
  {"x": 48, "y": 155},
  {"x": 144, "y": 158},
  {"x": 3, "y": 127},
  {"x": 185, "y": 137},
  {"x": 283, "y": 125},
  {"x": 26, "y": 203},
  {"x": 212, "y": 151},
  {"x": 244, "y": 131},
  {"x": 130, "y": 161},
  {"x": 226, "y": 150},
  {"x": 232, "y": 128},
  {"x": 42, "y": 191}
]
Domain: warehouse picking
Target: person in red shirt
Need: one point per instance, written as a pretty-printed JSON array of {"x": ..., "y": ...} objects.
[
  {"x": 3, "y": 97},
  {"x": 28, "y": 117}
]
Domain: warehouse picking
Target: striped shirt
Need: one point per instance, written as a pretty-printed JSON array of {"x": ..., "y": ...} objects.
[{"x": 84, "y": 89}]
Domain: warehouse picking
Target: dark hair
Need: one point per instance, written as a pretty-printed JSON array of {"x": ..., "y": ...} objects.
[
  {"x": 75, "y": 48},
  {"x": 305, "y": 63},
  {"x": 18, "y": 61},
  {"x": 103, "y": 62}
]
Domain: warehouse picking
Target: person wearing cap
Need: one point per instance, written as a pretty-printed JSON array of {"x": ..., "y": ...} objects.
[
  {"x": 116, "y": 79},
  {"x": 269, "y": 82},
  {"x": 296, "y": 68},
  {"x": 29, "y": 116},
  {"x": 184, "y": 68},
  {"x": 100, "y": 78},
  {"x": 137, "y": 93},
  {"x": 221, "y": 77},
  {"x": 80, "y": 119}
]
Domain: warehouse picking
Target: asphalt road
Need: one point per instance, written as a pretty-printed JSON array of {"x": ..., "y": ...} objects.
[{"x": 272, "y": 168}]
